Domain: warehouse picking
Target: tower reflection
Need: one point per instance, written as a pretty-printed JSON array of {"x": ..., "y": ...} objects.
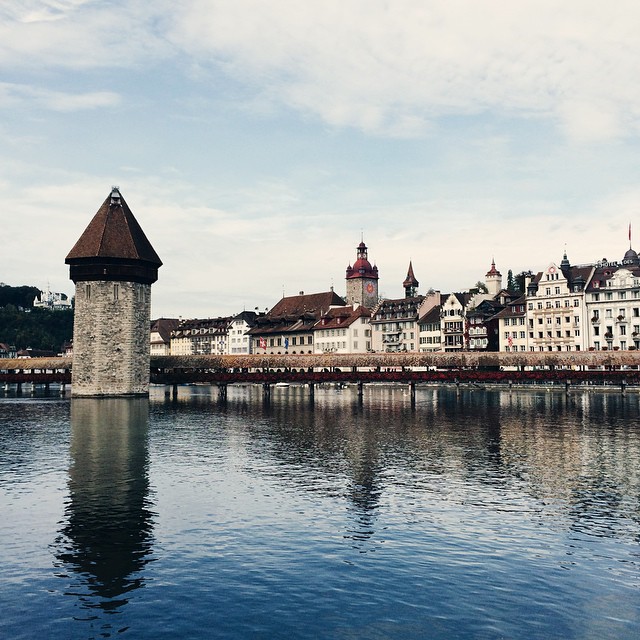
[{"x": 106, "y": 535}]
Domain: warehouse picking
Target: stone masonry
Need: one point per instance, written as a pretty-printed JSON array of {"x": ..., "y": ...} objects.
[{"x": 111, "y": 338}]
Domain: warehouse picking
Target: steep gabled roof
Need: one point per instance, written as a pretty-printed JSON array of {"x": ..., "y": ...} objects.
[
  {"x": 314, "y": 303},
  {"x": 342, "y": 317},
  {"x": 432, "y": 316},
  {"x": 114, "y": 233}
]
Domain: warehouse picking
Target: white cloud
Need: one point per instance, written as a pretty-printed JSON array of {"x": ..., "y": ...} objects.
[
  {"x": 382, "y": 66},
  {"x": 19, "y": 96},
  {"x": 385, "y": 68}
]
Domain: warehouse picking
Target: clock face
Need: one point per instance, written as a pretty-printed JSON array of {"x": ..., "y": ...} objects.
[{"x": 369, "y": 288}]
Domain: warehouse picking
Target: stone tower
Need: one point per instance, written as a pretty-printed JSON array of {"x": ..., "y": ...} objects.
[
  {"x": 362, "y": 280},
  {"x": 113, "y": 266},
  {"x": 493, "y": 280}
]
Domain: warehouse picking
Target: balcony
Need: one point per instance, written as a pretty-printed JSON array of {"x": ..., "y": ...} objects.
[{"x": 595, "y": 320}]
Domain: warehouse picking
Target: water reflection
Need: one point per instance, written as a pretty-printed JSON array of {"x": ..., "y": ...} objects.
[{"x": 106, "y": 535}]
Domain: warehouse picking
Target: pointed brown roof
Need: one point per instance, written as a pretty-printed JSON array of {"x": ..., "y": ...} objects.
[
  {"x": 113, "y": 246},
  {"x": 410, "y": 280},
  {"x": 114, "y": 233}
]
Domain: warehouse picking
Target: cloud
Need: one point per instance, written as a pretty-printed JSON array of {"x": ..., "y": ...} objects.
[
  {"x": 16, "y": 95},
  {"x": 385, "y": 67},
  {"x": 80, "y": 34}
]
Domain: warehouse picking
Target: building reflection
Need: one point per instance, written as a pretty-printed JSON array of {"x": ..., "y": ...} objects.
[{"x": 106, "y": 536}]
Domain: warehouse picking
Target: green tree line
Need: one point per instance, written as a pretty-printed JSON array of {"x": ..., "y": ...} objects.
[{"x": 24, "y": 327}]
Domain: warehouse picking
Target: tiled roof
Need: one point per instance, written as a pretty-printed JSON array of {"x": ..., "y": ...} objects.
[
  {"x": 432, "y": 316},
  {"x": 342, "y": 317},
  {"x": 164, "y": 326},
  {"x": 296, "y": 313},
  {"x": 508, "y": 312},
  {"x": 114, "y": 233},
  {"x": 314, "y": 303}
]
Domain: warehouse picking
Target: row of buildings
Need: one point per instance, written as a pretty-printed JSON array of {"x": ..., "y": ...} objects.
[{"x": 565, "y": 307}]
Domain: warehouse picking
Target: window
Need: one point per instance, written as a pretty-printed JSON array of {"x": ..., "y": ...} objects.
[
  {"x": 622, "y": 295},
  {"x": 87, "y": 291},
  {"x": 595, "y": 297},
  {"x": 116, "y": 292},
  {"x": 576, "y": 302},
  {"x": 557, "y": 291},
  {"x": 596, "y": 331},
  {"x": 623, "y": 330}
]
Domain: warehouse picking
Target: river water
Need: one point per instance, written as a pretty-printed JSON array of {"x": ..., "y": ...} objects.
[{"x": 473, "y": 515}]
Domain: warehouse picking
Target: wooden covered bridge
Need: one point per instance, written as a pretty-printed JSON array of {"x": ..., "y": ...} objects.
[{"x": 568, "y": 368}]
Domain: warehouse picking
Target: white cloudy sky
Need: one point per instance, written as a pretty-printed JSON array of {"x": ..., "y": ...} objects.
[{"x": 255, "y": 141}]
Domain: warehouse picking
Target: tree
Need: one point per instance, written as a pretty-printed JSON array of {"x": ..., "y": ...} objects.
[
  {"x": 479, "y": 287},
  {"x": 18, "y": 296}
]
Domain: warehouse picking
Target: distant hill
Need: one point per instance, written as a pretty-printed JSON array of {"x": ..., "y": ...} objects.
[
  {"x": 18, "y": 296},
  {"x": 32, "y": 328}
]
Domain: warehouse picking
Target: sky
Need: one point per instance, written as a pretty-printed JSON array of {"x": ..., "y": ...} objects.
[{"x": 258, "y": 142}]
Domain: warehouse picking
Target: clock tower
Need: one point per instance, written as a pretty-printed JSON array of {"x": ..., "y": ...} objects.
[{"x": 362, "y": 280}]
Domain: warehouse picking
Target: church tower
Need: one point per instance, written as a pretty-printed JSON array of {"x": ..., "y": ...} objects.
[
  {"x": 410, "y": 283},
  {"x": 113, "y": 266},
  {"x": 362, "y": 280}
]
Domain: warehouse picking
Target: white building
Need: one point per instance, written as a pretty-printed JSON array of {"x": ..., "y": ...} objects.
[
  {"x": 613, "y": 304},
  {"x": 556, "y": 309},
  {"x": 343, "y": 329}
]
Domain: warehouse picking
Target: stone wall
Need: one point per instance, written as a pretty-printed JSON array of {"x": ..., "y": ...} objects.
[{"x": 111, "y": 339}]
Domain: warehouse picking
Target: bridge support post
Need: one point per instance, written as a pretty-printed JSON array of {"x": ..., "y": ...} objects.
[
  {"x": 312, "y": 391},
  {"x": 266, "y": 391},
  {"x": 623, "y": 386},
  {"x": 412, "y": 392},
  {"x": 19, "y": 388},
  {"x": 567, "y": 386},
  {"x": 222, "y": 391},
  {"x": 46, "y": 388},
  {"x": 360, "y": 391},
  {"x": 174, "y": 392},
  {"x": 63, "y": 389}
]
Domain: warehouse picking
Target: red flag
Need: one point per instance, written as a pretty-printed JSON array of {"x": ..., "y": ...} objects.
[{"x": 263, "y": 343}]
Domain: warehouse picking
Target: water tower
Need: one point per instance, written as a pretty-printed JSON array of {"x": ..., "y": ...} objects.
[{"x": 113, "y": 266}]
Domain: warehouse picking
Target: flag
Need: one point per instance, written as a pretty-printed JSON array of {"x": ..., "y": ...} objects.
[
  {"x": 510, "y": 341},
  {"x": 629, "y": 232},
  {"x": 286, "y": 343},
  {"x": 263, "y": 343}
]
